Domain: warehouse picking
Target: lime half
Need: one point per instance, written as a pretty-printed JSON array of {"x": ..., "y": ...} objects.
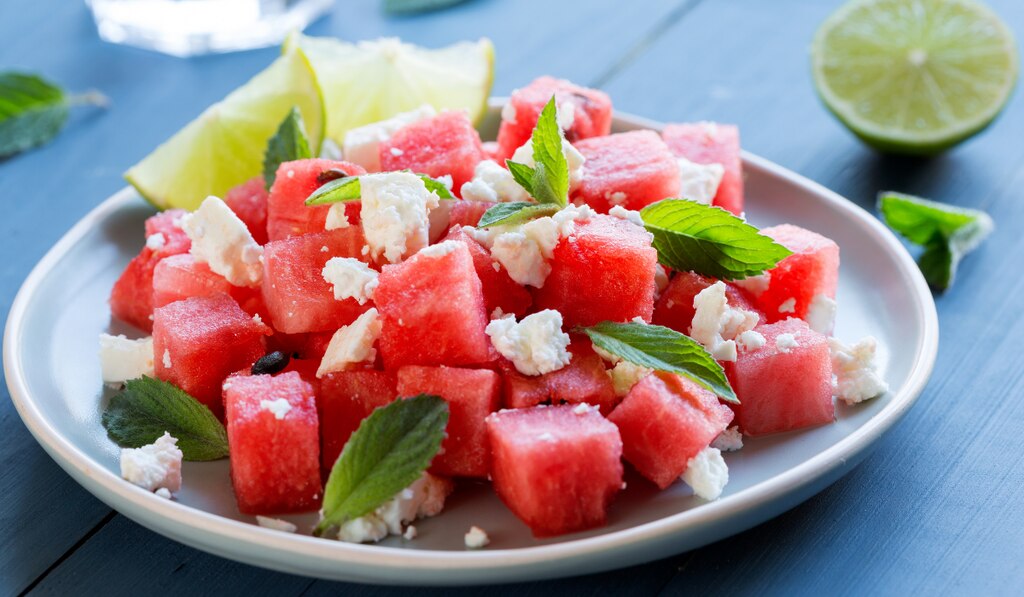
[
  {"x": 914, "y": 76},
  {"x": 369, "y": 81},
  {"x": 224, "y": 146}
]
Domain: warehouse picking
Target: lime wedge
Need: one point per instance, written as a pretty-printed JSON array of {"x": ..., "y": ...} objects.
[
  {"x": 224, "y": 146},
  {"x": 369, "y": 81},
  {"x": 914, "y": 76}
]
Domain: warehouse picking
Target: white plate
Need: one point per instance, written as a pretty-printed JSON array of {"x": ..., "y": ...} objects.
[{"x": 54, "y": 378}]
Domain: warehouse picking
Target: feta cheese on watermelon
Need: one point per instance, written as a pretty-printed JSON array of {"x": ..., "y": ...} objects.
[
  {"x": 278, "y": 407},
  {"x": 350, "y": 278},
  {"x": 535, "y": 345},
  {"x": 154, "y": 466},
  {"x": 575, "y": 160},
  {"x": 526, "y": 250},
  {"x": 821, "y": 315},
  {"x": 786, "y": 342},
  {"x": 440, "y": 249},
  {"x": 707, "y": 474},
  {"x": 122, "y": 359},
  {"x": 337, "y": 217},
  {"x": 788, "y": 305},
  {"x": 156, "y": 241},
  {"x": 624, "y": 374},
  {"x": 395, "y": 209},
  {"x": 629, "y": 215},
  {"x": 352, "y": 344},
  {"x": 362, "y": 144},
  {"x": 699, "y": 182},
  {"x": 755, "y": 285},
  {"x": 750, "y": 340},
  {"x": 425, "y": 497},
  {"x": 493, "y": 183},
  {"x": 716, "y": 324},
  {"x": 729, "y": 440},
  {"x": 857, "y": 377},
  {"x": 477, "y": 538},
  {"x": 222, "y": 240},
  {"x": 276, "y": 524}
]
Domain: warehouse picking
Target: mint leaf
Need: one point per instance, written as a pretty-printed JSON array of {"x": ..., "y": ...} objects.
[
  {"x": 437, "y": 187},
  {"x": 289, "y": 143},
  {"x": 33, "y": 110},
  {"x": 336, "y": 187},
  {"x": 390, "y": 450},
  {"x": 690, "y": 236},
  {"x": 548, "y": 180},
  {"x": 148, "y": 407},
  {"x": 516, "y": 212},
  {"x": 664, "y": 349},
  {"x": 522, "y": 173},
  {"x": 946, "y": 233}
]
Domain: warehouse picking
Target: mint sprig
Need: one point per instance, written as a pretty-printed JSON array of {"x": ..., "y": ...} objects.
[
  {"x": 663, "y": 349},
  {"x": 33, "y": 110},
  {"x": 387, "y": 453},
  {"x": 516, "y": 212},
  {"x": 690, "y": 236},
  {"x": 288, "y": 144},
  {"x": 148, "y": 407},
  {"x": 337, "y": 187},
  {"x": 946, "y": 233}
]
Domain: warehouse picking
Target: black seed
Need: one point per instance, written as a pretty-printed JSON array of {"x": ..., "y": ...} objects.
[{"x": 270, "y": 364}]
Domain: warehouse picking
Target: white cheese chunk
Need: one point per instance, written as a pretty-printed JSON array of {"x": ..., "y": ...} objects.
[
  {"x": 536, "y": 345},
  {"x": 476, "y": 538},
  {"x": 786, "y": 342},
  {"x": 425, "y": 497},
  {"x": 524, "y": 250},
  {"x": 336, "y": 217},
  {"x": 821, "y": 314},
  {"x": 716, "y": 324},
  {"x": 707, "y": 474},
  {"x": 352, "y": 344},
  {"x": 395, "y": 214},
  {"x": 440, "y": 249},
  {"x": 493, "y": 183},
  {"x": 154, "y": 466},
  {"x": 221, "y": 240},
  {"x": 351, "y": 279},
  {"x": 624, "y": 374},
  {"x": 756, "y": 285},
  {"x": 857, "y": 377},
  {"x": 788, "y": 305},
  {"x": 122, "y": 359},
  {"x": 278, "y": 407},
  {"x": 729, "y": 440},
  {"x": 750, "y": 340},
  {"x": 362, "y": 144},
  {"x": 156, "y": 241},
  {"x": 276, "y": 524},
  {"x": 699, "y": 182},
  {"x": 626, "y": 214}
]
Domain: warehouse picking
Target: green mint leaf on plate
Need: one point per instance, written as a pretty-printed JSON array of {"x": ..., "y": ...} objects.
[
  {"x": 148, "y": 407},
  {"x": 664, "y": 349},
  {"x": 414, "y": 6},
  {"x": 390, "y": 449},
  {"x": 336, "y": 187},
  {"x": 33, "y": 110},
  {"x": 516, "y": 212},
  {"x": 690, "y": 236},
  {"x": 548, "y": 180},
  {"x": 945, "y": 232},
  {"x": 289, "y": 143}
]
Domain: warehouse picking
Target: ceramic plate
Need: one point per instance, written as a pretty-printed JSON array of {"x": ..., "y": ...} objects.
[{"x": 53, "y": 373}]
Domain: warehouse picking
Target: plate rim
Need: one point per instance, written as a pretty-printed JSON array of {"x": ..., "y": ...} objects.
[{"x": 373, "y": 563}]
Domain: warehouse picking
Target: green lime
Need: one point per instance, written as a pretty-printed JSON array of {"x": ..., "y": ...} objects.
[
  {"x": 224, "y": 146},
  {"x": 914, "y": 76},
  {"x": 369, "y": 81}
]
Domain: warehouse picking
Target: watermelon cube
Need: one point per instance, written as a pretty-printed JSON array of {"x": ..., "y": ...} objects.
[
  {"x": 674, "y": 308},
  {"x": 500, "y": 290},
  {"x": 557, "y": 468},
  {"x": 287, "y": 213},
  {"x": 665, "y": 420},
  {"x": 180, "y": 276},
  {"x": 591, "y": 113},
  {"x": 466, "y": 213},
  {"x": 249, "y": 202},
  {"x": 583, "y": 381},
  {"x": 471, "y": 394},
  {"x": 199, "y": 341},
  {"x": 346, "y": 398},
  {"x": 274, "y": 439},
  {"x": 712, "y": 143},
  {"x": 446, "y": 144},
  {"x": 310, "y": 346},
  {"x": 604, "y": 271},
  {"x": 812, "y": 270},
  {"x": 297, "y": 297},
  {"x": 787, "y": 383},
  {"x": 631, "y": 169},
  {"x": 432, "y": 310}
]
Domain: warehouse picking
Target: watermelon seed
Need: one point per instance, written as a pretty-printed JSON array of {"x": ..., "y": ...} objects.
[{"x": 270, "y": 363}]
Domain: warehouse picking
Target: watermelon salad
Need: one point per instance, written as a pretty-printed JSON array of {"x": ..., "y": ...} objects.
[{"x": 293, "y": 322}]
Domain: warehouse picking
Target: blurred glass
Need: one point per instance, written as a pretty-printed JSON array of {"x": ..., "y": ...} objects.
[{"x": 191, "y": 27}]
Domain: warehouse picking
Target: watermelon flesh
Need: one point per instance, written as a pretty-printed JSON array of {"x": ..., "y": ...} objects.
[
  {"x": 466, "y": 213},
  {"x": 287, "y": 213},
  {"x": 583, "y": 381},
  {"x": 249, "y": 202},
  {"x": 500, "y": 290},
  {"x": 180, "y": 276},
  {"x": 273, "y": 436},
  {"x": 675, "y": 306},
  {"x": 631, "y": 169},
  {"x": 557, "y": 468},
  {"x": 812, "y": 269},
  {"x": 712, "y": 143},
  {"x": 471, "y": 394},
  {"x": 310, "y": 346},
  {"x": 446, "y": 144},
  {"x": 346, "y": 398}
]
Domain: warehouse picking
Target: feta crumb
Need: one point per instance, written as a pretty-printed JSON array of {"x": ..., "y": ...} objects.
[
  {"x": 626, "y": 214},
  {"x": 276, "y": 524},
  {"x": 583, "y": 408},
  {"x": 750, "y": 340},
  {"x": 122, "y": 359},
  {"x": 524, "y": 251},
  {"x": 508, "y": 113},
  {"x": 575, "y": 160},
  {"x": 156, "y": 241},
  {"x": 536, "y": 345},
  {"x": 755, "y": 285},
  {"x": 164, "y": 493},
  {"x": 154, "y": 466},
  {"x": 821, "y": 314},
  {"x": 425, "y": 497},
  {"x": 788, "y": 306},
  {"x": 624, "y": 374},
  {"x": 493, "y": 183},
  {"x": 279, "y": 407},
  {"x": 352, "y": 344},
  {"x": 476, "y": 538},
  {"x": 729, "y": 440},
  {"x": 716, "y": 325},
  {"x": 616, "y": 197},
  {"x": 496, "y": 266},
  {"x": 857, "y": 377},
  {"x": 351, "y": 278},
  {"x": 699, "y": 182},
  {"x": 707, "y": 474},
  {"x": 362, "y": 144},
  {"x": 221, "y": 240},
  {"x": 256, "y": 317},
  {"x": 565, "y": 114},
  {"x": 785, "y": 342},
  {"x": 410, "y": 533},
  {"x": 440, "y": 249},
  {"x": 166, "y": 360},
  {"x": 661, "y": 280},
  {"x": 396, "y": 152},
  {"x": 395, "y": 214},
  {"x": 336, "y": 218}
]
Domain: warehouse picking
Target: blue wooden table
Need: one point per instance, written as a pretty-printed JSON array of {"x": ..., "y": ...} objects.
[{"x": 937, "y": 509}]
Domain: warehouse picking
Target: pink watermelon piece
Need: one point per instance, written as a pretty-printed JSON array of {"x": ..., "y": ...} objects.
[
  {"x": 446, "y": 144},
  {"x": 433, "y": 312},
  {"x": 310, "y": 346},
  {"x": 180, "y": 276},
  {"x": 557, "y": 468},
  {"x": 812, "y": 269},
  {"x": 249, "y": 202},
  {"x": 665, "y": 420},
  {"x": 583, "y": 381},
  {"x": 592, "y": 113},
  {"x": 712, "y": 143},
  {"x": 471, "y": 394},
  {"x": 199, "y": 341},
  {"x": 782, "y": 391},
  {"x": 500, "y": 290},
  {"x": 675, "y": 307},
  {"x": 491, "y": 151},
  {"x": 287, "y": 213},
  {"x": 275, "y": 458},
  {"x": 631, "y": 169},
  {"x": 611, "y": 259},
  {"x": 297, "y": 297},
  {"x": 346, "y": 398},
  {"x": 466, "y": 213}
]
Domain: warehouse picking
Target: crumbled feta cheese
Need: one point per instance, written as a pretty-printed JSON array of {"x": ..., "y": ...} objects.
[
  {"x": 699, "y": 182},
  {"x": 362, "y": 144},
  {"x": 122, "y": 359},
  {"x": 352, "y": 344},
  {"x": 707, "y": 474},
  {"x": 153, "y": 466},
  {"x": 624, "y": 374},
  {"x": 476, "y": 538},
  {"x": 279, "y": 407},
  {"x": 508, "y": 113},
  {"x": 616, "y": 197},
  {"x": 336, "y": 218},
  {"x": 276, "y": 524},
  {"x": 351, "y": 278},
  {"x": 166, "y": 360},
  {"x": 729, "y": 440},
  {"x": 575, "y": 160},
  {"x": 525, "y": 250},
  {"x": 788, "y": 306},
  {"x": 565, "y": 114},
  {"x": 222, "y": 241},
  {"x": 755, "y": 285},
  {"x": 661, "y": 280},
  {"x": 396, "y": 152},
  {"x": 164, "y": 493},
  {"x": 395, "y": 214},
  {"x": 440, "y": 249},
  {"x": 857, "y": 377},
  {"x": 425, "y": 497},
  {"x": 156, "y": 241},
  {"x": 750, "y": 340},
  {"x": 821, "y": 314},
  {"x": 626, "y": 214},
  {"x": 493, "y": 183},
  {"x": 536, "y": 345},
  {"x": 785, "y": 342},
  {"x": 716, "y": 325},
  {"x": 583, "y": 408},
  {"x": 410, "y": 533}
]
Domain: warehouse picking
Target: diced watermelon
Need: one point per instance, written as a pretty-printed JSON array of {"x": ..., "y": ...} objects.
[
  {"x": 167, "y": 223},
  {"x": 433, "y": 312},
  {"x": 812, "y": 269},
  {"x": 675, "y": 307},
  {"x": 782, "y": 391},
  {"x": 446, "y": 144},
  {"x": 275, "y": 450},
  {"x": 712, "y": 143},
  {"x": 665, "y": 420},
  {"x": 199, "y": 341},
  {"x": 491, "y": 151},
  {"x": 467, "y": 213},
  {"x": 471, "y": 394},
  {"x": 310, "y": 346},
  {"x": 631, "y": 169},
  {"x": 346, "y": 398},
  {"x": 298, "y": 298},
  {"x": 180, "y": 276},
  {"x": 287, "y": 213},
  {"x": 583, "y": 381},
  {"x": 604, "y": 271},
  {"x": 249, "y": 202},
  {"x": 592, "y": 113},
  {"x": 557, "y": 468},
  {"x": 500, "y": 290}
]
